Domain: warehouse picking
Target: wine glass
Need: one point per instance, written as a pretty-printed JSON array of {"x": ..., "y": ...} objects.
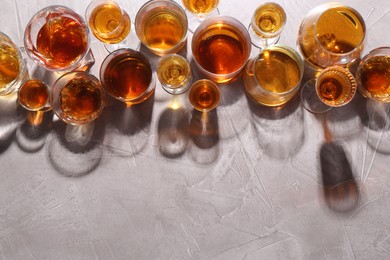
[
  {"x": 111, "y": 24},
  {"x": 334, "y": 87},
  {"x": 204, "y": 95},
  {"x": 33, "y": 95},
  {"x": 331, "y": 34},
  {"x": 199, "y": 10},
  {"x": 267, "y": 24}
]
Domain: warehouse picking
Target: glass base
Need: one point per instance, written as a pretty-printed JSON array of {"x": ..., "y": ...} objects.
[
  {"x": 195, "y": 20},
  {"x": 131, "y": 41},
  {"x": 260, "y": 42},
  {"x": 310, "y": 101}
]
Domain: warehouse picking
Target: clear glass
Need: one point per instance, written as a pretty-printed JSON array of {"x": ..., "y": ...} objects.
[
  {"x": 127, "y": 75},
  {"x": 373, "y": 75},
  {"x": 221, "y": 46},
  {"x": 34, "y": 95},
  {"x": 267, "y": 24},
  {"x": 111, "y": 24},
  {"x": 332, "y": 34},
  {"x": 77, "y": 98},
  {"x": 274, "y": 76},
  {"x": 204, "y": 95},
  {"x": 174, "y": 74},
  {"x": 199, "y": 10},
  {"x": 57, "y": 38},
  {"x": 161, "y": 25},
  {"x": 12, "y": 66}
]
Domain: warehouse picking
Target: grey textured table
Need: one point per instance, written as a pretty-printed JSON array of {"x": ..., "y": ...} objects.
[{"x": 153, "y": 182}]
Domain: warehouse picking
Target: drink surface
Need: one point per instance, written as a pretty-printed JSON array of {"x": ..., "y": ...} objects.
[
  {"x": 276, "y": 71},
  {"x": 375, "y": 76},
  {"x": 9, "y": 65},
  {"x": 108, "y": 24},
  {"x": 81, "y": 99},
  {"x": 204, "y": 95},
  {"x": 200, "y": 6},
  {"x": 61, "y": 41},
  {"x": 173, "y": 71},
  {"x": 163, "y": 30},
  {"x": 330, "y": 89},
  {"x": 33, "y": 94},
  {"x": 127, "y": 77},
  {"x": 269, "y": 18}
]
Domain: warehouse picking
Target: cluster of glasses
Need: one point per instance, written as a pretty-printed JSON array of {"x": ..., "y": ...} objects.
[{"x": 331, "y": 39}]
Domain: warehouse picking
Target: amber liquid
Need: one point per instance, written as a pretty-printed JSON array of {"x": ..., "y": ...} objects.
[
  {"x": 277, "y": 71},
  {"x": 269, "y": 18},
  {"x": 108, "y": 24},
  {"x": 81, "y": 99},
  {"x": 220, "y": 50},
  {"x": 33, "y": 94},
  {"x": 204, "y": 95},
  {"x": 375, "y": 76},
  {"x": 163, "y": 30},
  {"x": 61, "y": 41},
  {"x": 174, "y": 71},
  {"x": 9, "y": 65},
  {"x": 330, "y": 89},
  {"x": 200, "y": 6},
  {"x": 127, "y": 77}
]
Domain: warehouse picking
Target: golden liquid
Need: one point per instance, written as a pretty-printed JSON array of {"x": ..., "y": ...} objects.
[
  {"x": 81, "y": 99},
  {"x": 204, "y": 95},
  {"x": 163, "y": 30},
  {"x": 108, "y": 24},
  {"x": 277, "y": 71},
  {"x": 331, "y": 89},
  {"x": 200, "y": 6},
  {"x": 375, "y": 76},
  {"x": 174, "y": 71},
  {"x": 33, "y": 94},
  {"x": 61, "y": 41},
  {"x": 221, "y": 49},
  {"x": 269, "y": 18},
  {"x": 9, "y": 65}
]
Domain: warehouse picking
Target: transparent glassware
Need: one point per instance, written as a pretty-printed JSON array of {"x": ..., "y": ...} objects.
[
  {"x": 373, "y": 75},
  {"x": 111, "y": 24},
  {"x": 199, "y": 10},
  {"x": 334, "y": 87},
  {"x": 332, "y": 34},
  {"x": 221, "y": 46},
  {"x": 127, "y": 75},
  {"x": 174, "y": 74},
  {"x": 267, "y": 24},
  {"x": 34, "y": 95},
  {"x": 274, "y": 76},
  {"x": 12, "y": 66},
  {"x": 77, "y": 98},
  {"x": 161, "y": 26},
  {"x": 57, "y": 38},
  {"x": 204, "y": 95}
]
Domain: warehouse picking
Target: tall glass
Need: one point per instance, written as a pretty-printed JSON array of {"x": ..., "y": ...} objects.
[
  {"x": 12, "y": 66},
  {"x": 373, "y": 75},
  {"x": 57, "y": 38},
  {"x": 127, "y": 75},
  {"x": 161, "y": 25},
  {"x": 200, "y": 10},
  {"x": 332, "y": 34},
  {"x": 221, "y": 46}
]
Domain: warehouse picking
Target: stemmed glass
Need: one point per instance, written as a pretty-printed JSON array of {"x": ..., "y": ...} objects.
[
  {"x": 199, "y": 10},
  {"x": 111, "y": 24},
  {"x": 267, "y": 24}
]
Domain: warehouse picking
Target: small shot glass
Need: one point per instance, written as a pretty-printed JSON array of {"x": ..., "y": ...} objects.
[
  {"x": 204, "y": 95},
  {"x": 174, "y": 74},
  {"x": 34, "y": 95}
]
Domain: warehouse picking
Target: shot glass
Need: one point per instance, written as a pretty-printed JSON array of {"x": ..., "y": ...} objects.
[
  {"x": 57, "y": 38},
  {"x": 127, "y": 75},
  {"x": 204, "y": 95},
  {"x": 221, "y": 46},
  {"x": 12, "y": 66},
  {"x": 174, "y": 74},
  {"x": 77, "y": 98},
  {"x": 161, "y": 25},
  {"x": 34, "y": 95},
  {"x": 273, "y": 77}
]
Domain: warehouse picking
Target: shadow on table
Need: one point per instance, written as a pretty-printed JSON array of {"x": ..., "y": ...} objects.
[{"x": 340, "y": 188}]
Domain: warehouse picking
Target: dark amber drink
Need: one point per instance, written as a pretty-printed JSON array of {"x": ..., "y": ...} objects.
[
  {"x": 221, "y": 46},
  {"x": 57, "y": 38},
  {"x": 33, "y": 95},
  {"x": 204, "y": 95},
  {"x": 127, "y": 76}
]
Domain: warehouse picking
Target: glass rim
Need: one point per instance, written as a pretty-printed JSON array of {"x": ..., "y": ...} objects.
[{"x": 256, "y": 27}]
